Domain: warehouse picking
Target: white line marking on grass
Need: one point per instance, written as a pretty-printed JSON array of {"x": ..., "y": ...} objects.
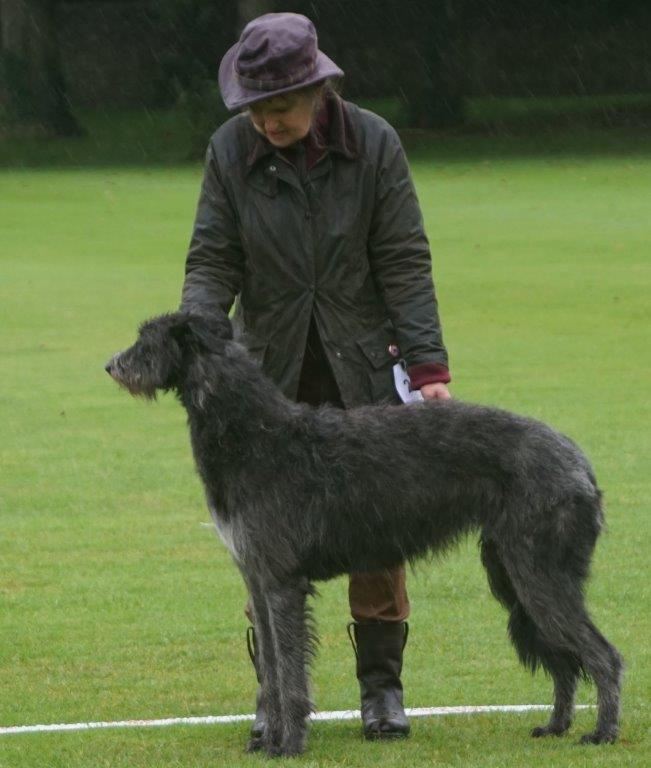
[{"x": 349, "y": 714}]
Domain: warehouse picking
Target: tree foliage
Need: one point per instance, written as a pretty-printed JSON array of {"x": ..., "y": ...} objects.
[{"x": 31, "y": 77}]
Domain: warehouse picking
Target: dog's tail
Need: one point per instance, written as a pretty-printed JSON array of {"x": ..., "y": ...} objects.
[
  {"x": 498, "y": 579},
  {"x": 533, "y": 651}
]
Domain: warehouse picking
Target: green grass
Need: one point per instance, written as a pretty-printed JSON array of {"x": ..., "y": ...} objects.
[{"x": 117, "y": 602}]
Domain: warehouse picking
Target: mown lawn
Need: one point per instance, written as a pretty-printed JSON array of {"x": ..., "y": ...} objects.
[{"x": 117, "y": 601}]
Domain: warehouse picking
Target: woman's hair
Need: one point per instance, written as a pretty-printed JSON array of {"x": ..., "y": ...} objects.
[
  {"x": 325, "y": 87},
  {"x": 320, "y": 91}
]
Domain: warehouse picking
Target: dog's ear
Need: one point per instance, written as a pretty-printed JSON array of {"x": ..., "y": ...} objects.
[{"x": 202, "y": 332}]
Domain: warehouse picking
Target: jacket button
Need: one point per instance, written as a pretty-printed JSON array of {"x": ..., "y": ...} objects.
[
  {"x": 273, "y": 168},
  {"x": 338, "y": 354}
]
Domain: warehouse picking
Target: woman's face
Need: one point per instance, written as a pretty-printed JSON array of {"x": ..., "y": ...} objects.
[{"x": 284, "y": 119}]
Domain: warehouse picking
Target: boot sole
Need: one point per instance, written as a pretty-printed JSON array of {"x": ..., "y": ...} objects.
[{"x": 385, "y": 735}]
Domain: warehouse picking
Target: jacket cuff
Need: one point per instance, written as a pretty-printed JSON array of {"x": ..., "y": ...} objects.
[{"x": 428, "y": 373}]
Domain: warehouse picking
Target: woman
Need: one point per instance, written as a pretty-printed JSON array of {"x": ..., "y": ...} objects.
[{"x": 308, "y": 216}]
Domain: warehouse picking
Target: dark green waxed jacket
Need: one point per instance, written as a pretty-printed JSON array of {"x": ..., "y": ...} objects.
[{"x": 342, "y": 241}]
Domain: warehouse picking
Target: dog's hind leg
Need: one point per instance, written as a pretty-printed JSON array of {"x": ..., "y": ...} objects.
[
  {"x": 602, "y": 662},
  {"x": 563, "y": 666},
  {"x": 574, "y": 645},
  {"x": 566, "y": 640}
]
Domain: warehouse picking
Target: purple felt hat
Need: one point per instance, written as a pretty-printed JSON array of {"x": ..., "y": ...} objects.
[{"x": 276, "y": 53}]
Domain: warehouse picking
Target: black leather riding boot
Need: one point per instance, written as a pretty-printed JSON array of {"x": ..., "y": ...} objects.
[
  {"x": 257, "y": 729},
  {"x": 378, "y": 647}
]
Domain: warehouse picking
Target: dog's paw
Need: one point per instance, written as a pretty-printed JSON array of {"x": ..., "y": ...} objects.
[
  {"x": 255, "y": 744},
  {"x": 607, "y": 736},
  {"x": 548, "y": 730},
  {"x": 273, "y": 750}
]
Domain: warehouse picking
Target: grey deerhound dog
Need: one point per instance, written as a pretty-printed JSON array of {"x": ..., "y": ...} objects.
[{"x": 301, "y": 494}]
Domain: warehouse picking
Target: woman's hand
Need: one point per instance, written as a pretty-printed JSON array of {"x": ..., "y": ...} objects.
[{"x": 435, "y": 392}]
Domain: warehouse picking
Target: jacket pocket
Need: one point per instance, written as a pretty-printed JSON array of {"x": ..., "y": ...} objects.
[{"x": 376, "y": 346}]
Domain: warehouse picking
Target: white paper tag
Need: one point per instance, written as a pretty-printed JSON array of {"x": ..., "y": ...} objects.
[{"x": 403, "y": 383}]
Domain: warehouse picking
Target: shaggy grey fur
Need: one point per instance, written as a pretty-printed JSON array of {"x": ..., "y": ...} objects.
[{"x": 302, "y": 494}]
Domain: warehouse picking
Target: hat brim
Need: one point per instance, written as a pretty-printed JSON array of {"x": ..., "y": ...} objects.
[{"x": 235, "y": 96}]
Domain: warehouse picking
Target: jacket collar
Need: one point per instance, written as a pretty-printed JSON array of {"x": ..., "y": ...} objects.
[{"x": 334, "y": 131}]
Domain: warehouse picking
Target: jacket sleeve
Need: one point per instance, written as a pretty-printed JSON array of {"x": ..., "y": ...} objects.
[
  {"x": 400, "y": 259},
  {"x": 215, "y": 260}
]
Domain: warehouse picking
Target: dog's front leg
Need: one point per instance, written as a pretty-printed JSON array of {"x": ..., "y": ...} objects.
[
  {"x": 292, "y": 645},
  {"x": 284, "y": 643},
  {"x": 267, "y": 670}
]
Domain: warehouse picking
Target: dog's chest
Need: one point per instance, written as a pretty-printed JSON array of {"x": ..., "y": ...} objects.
[{"x": 225, "y": 531}]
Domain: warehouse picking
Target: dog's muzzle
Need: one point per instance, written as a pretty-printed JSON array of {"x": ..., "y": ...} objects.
[
  {"x": 110, "y": 366},
  {"x": 113, "y": 369}
]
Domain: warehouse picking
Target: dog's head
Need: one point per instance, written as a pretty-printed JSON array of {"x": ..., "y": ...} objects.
[{"x": 163, "y": 350}]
